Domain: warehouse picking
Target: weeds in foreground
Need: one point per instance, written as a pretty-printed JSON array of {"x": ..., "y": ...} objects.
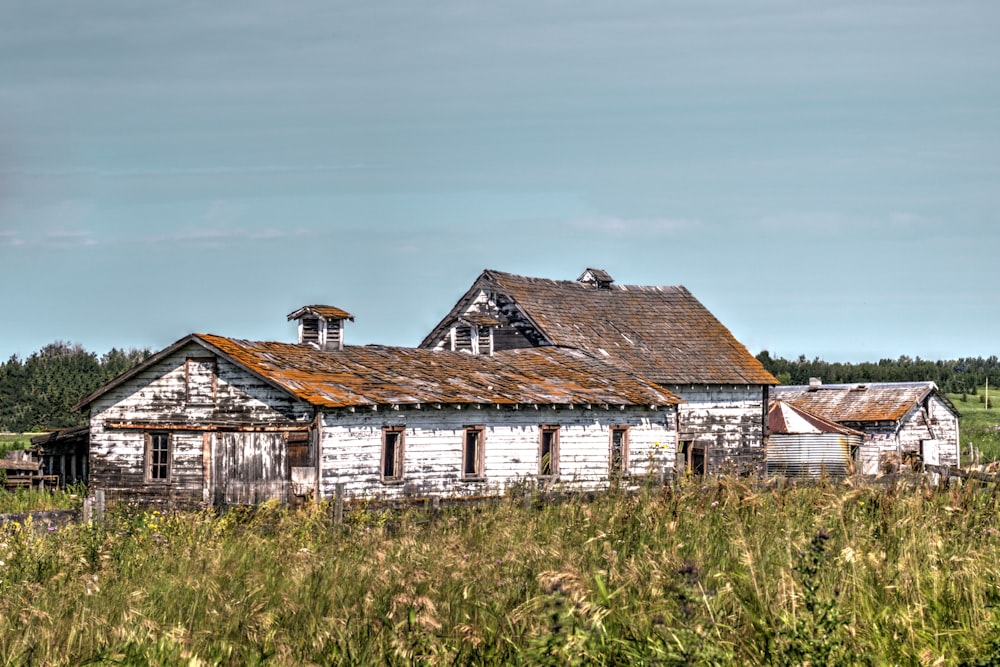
[{"x": 723, "y": 573}]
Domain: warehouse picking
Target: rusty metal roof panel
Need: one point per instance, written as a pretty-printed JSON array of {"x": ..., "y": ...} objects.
[
  {"x": 661, "y": 333},
  {"x": 381, "y": 375},
  {"x": 784, "y": 418},
  {"x": 326, "y": 312},
  {"x": 861, "y": 402}
]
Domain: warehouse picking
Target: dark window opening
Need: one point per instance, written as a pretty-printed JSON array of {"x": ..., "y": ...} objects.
[
  {"x": 548, "y": 452},
  {"x": 472, "y": 453},
  {"x": 619, "y": 451},
  {"x": 392, "y": 454}
]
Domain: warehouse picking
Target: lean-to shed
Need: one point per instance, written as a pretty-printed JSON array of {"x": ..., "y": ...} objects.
[{"x": 801, "y": 444}]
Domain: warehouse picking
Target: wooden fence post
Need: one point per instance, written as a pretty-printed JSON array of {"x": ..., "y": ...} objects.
[
  {"x": 338, "y": 504},
  {"x": 99, "y": 505}
]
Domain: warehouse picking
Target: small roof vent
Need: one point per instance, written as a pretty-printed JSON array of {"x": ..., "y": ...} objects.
[
  {"x": 815, "y": 384},
  {"x": 596, "y": 277},
  {"x": 321, "y": 327}
]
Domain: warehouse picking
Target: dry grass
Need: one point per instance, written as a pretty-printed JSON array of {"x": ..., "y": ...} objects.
[{"x": 723, "y": 573}]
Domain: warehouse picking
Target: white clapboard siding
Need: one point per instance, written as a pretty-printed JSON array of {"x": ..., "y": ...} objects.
[
  {"x": 352, "y": 448},
  {"x": 727, "y": 416}
]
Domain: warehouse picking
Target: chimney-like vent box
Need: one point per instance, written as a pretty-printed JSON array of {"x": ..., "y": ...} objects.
[{"x": 321, "y": 327}]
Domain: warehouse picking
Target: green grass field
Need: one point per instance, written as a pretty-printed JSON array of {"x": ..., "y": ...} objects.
[
  {"x": 979, "y": 426},
  {"x": 716, "y": 574}
]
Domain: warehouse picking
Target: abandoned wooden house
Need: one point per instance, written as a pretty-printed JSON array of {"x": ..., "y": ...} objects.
[
  {"x": 217, "y": 421},
  {"x": 902, "y": 422},
  {"x": 663, "y": 334},
  {"x": 801, "y": 444}
]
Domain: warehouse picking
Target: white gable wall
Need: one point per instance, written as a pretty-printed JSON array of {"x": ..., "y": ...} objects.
[{"x": 157, "y": 396}]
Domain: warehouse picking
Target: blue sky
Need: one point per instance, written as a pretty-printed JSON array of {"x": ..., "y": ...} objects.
[{"x": 823, "y": 176}]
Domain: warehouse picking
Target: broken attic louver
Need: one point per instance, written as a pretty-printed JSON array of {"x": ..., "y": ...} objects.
[{"x": 321, "y": 327}]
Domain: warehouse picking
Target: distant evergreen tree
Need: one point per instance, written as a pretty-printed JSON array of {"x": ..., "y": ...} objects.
[
  {"x": 953, "y": 376},
  {"x": 39, "y": 392}
]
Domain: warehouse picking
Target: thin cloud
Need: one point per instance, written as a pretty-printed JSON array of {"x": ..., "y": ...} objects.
[
  {"x": 63, "y": 238},
  {"x": 617, "y": 226},
  {"x": 10, "y": 239},
  {"x": 227, "y": 236}
]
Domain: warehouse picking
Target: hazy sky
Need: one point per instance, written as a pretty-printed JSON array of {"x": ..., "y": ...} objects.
[{"x": 824, "y": 176}]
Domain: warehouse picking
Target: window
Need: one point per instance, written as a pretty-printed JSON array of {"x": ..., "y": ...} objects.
[
  {"x": 201, "y": 381},
  {"x": 618, "y": 462},
  {"x": 392, "y": 453},
  {"x": 472, "y": 452},
  {"x": 158, "y": 455},
  {"x": 548, "y": 451},
  {"x": 691, "y": 458}
]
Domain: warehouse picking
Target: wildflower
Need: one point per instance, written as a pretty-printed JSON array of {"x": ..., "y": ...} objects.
[{"x": 715, "y": 503}]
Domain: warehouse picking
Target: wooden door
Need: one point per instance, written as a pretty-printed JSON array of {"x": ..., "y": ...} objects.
[{"x": 250, "y": 468}]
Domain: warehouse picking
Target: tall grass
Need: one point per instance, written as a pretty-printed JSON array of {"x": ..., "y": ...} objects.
[{"x": 722, "y": 573}]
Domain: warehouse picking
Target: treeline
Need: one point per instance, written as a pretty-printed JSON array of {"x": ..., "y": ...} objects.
[
  {"x": 956, "y": 376},
  {"x": 38, "y": 393}
]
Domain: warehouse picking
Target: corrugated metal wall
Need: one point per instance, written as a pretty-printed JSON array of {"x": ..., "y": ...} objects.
[{"x": 811, "y": 454}]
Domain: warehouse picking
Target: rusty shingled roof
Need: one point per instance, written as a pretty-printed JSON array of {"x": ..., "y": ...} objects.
[
  {"x": 660, "y": 333},
  {"x": 860, "y": 402},
  {"x": 326, "y": 312},
  {"x": 381, "y": 375}
]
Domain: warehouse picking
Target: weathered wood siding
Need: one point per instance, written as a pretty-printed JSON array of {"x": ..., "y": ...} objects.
[
  {"x": 505, "y": 336},
  {"x": 726, "y": 420},
  {"x": 931, "y": 420},
  {"x": 157, "y": 399},
  {"x": 433, "y": 440}
]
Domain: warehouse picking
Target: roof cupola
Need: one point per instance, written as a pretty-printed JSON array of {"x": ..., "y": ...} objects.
[{"x": 321, "y": 327}]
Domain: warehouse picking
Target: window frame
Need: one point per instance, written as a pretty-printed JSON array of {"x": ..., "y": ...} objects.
[
  {"x": 623, "y": 462},
  {"x": 479, "y": 473},
  {"x": 187, "y": 380},
  {"x": 399, "y": 455},
  {"x": 149, "y": 465},
  {"x": 553, "y": 431}
]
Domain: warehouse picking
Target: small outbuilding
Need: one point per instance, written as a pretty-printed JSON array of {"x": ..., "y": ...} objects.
[
  {"x": 904, "y": 423},
  {"x": 801, "y": 444}
]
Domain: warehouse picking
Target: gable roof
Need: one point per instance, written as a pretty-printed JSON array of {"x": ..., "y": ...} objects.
[
  {"x": 326, "y": 312},
  {"x": 381, "y": 375},
  {"x": 661, "y": 333},
  {"x": 786, "y": 419},
  {"x": 860, "y": 402}
]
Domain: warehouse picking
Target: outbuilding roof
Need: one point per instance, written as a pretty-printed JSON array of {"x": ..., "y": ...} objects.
[
  {"x": 661, "y": 333},
  {"x": 860, "y": 402},
  {"x": 381, "y": 375},
  {"x": 784, "y": 419}
]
